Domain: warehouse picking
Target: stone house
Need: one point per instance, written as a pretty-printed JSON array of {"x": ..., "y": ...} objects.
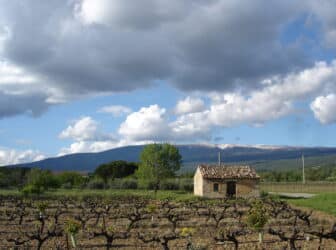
[{"x": 226, "y": 181}]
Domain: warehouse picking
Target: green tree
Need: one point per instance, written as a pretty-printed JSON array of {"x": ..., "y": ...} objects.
[
  {"x": 115, "y": 169},
  {"x": 72, "y": 179},
  {"x": 41, "y": 180},
  {"x": 157, "y": 162}
]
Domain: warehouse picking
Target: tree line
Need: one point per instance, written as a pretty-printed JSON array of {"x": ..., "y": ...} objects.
[
  {"x": 157, "y": 169},
  {"x": 319, "y": 173}
]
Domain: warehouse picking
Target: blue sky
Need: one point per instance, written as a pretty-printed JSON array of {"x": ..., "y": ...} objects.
[{"x": 90, "y": 75}]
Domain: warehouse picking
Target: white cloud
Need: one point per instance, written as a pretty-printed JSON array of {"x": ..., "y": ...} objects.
[
  {"x": 149, "y": 123},
  {"x": 324, "y": 108},
  {"x": 83, "y": 129},
  {"x": 11, "y": 156},
  {"x": 115, "y": 110},
  {"x": 11, "y": 74},
  {"x": 94, "y": 11},
  {"x": 88, "y": 137},
  {"x": 189, "y": 105},
  {"x": 276, "y": 99},
  {"x": 87, "y": 146},
  {"x": 191, "y": 126}
]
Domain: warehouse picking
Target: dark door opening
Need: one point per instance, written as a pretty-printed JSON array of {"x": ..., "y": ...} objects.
[{"x": 231, "y": 189}]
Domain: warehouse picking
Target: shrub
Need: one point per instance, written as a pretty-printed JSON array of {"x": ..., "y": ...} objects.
[
  {"x": 31, "y": 189},
  {"x": 96, "y": 184},
  {"x": 73, "y": 178},
  {"x": 257, "y": 218},
  {"x": 67, "y": 185},
  {"x": 187, "y": 185},
  {"x": 129, "y": 184},
  {"x": 72, "y": 227},
  {"x": 169, "y": 185},
  {"x": 263, "y": 194},
  {"x": 42, "y": 180},
  {"x": 150, "y": 185}
]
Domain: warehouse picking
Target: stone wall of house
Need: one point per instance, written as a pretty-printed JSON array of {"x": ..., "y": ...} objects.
[
  {"x": 205, "y": 187},
  {"x": 198, "y": 183},
  {"x": 208, "y": 189},
  {"x": 247, "y": 188}
]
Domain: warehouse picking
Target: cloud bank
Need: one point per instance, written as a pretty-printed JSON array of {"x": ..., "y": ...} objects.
[{"x": 88, "y": 47}]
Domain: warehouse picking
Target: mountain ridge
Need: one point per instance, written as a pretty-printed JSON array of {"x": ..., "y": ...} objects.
[{"x": 191, "y": 154}]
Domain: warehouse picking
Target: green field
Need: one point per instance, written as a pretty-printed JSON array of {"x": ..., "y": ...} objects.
[{"x": 322, "y": 202}]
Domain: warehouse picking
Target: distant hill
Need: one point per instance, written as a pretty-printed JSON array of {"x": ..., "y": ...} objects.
[{"x": 192, "y": 155}]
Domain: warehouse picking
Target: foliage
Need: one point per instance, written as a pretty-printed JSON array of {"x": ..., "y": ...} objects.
[
  {"x": 128, "y": 184},
  {"x": 96, "y": 184},
  {"x": 151, "y": 208},
  {"x": 319, "y": 173},
  {"x": 115, "y": 169},
  {"x": 187, "y": 184},
  {"x": 72, "y": 226},
  {"x": 257, "y": 216},
  {"x": 42, "y": 206},
  {"x": 71, "y": 179},
  {"x": 13, "y": 176},
  {"x": 30, "y": 190},
  {"x": 187, "y": 231},
  {"x": 169, "y": 184},
  {"x": 40, "y": 181},
  {"x": 157, "y": 162}
]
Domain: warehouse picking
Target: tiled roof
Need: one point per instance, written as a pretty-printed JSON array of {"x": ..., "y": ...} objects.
[{"x": 228, "y": 172}]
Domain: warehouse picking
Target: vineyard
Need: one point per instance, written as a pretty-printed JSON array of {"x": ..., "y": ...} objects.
[{"x": 139, "y": 223}]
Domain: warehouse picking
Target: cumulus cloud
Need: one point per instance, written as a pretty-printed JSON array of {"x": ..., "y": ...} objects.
[
  {"x": 115, "y": 110},
  {"x": 11, "y": 156},
  {"x": 88, "y": 146},
  {"x": 149, "y": 123},
  {"x": 85, "y": 129},
  {"x": 87, "y": 136},
  {"x": 189, "y": 105},
  {"x": 196, "y": 121},
  {"x": 275, "y": 100},
  {"x": 192, "y": 126},
  {"x": 324, "y": 108}
]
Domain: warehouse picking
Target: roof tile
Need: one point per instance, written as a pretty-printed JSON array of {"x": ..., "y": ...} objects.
[{"x": 228, "y": 172}]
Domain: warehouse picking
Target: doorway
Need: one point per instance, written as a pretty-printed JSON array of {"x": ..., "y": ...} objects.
[{"x": 231, "y": 189}]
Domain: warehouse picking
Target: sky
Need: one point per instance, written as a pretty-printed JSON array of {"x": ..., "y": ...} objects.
[{"x": 91, "y": 75}]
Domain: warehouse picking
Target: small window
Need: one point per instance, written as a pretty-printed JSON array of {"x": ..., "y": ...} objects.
[{"x": 215, "y": 187}]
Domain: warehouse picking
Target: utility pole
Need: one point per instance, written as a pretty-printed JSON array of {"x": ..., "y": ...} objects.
[
  {"x": 219, "y": 158},
  {"x": 303, "y": 170}
]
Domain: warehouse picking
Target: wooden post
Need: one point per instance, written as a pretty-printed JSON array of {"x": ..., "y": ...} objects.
[{"x": 303, "y": 170}]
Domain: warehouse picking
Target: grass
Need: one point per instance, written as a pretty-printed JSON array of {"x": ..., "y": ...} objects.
[{"x": 323, "y": 202}]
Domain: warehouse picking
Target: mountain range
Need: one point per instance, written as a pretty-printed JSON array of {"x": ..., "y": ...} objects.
[{"x": 191, "y": 154}]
